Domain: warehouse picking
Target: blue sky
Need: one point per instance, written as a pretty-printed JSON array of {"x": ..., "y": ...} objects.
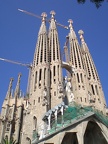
[{"x": 18, "y": 35}]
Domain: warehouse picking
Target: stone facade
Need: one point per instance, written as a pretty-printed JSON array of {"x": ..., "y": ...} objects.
[{"x": 49, "y": 93}]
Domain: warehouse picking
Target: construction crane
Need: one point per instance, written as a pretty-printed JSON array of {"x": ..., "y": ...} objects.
[
  {"x": 18, "y": 63},
  {"x": 66, "y": 53},
  {"x": 66, "y": 49},
  {"x": 37, "y": 16},
  {"x": 22, "y": 64}
]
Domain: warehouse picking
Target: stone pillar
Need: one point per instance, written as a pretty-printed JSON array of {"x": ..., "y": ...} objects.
[
  {"x": 62, "y": 113},
  {"x": 81, "y": 131},
  {"x": 49, "y": 122},
  {"x": 55, "y": 116},
  {"x": 18, "y": 122},
  {"x": 2, "y": 132},
  {"x": 80, "y": 138},
  {"x": 9, "y": 135}
]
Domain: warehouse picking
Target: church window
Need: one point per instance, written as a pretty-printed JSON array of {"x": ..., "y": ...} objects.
[
  {"x": 81, "y": 77},
  {"x": 78, "y": 78},
  {"x": 50, "y": 77},
  {"x": 45, "y": 52},
  {"x": 26, "y": 102},
  {"x": 38, "y": 99},
  {"x": 38, "y": 47},
  {"x": 34, "y": 123},
  {"x": 92, "y": 89},
  {"x": 44, "y": 75},
  {"x": 34, "y": 102},
  {"x": 54, "y": 70},
  {"x": 50, "y": 48},
  {"x": 58, "y": 72},
  {"x": 77, "y": 52},
  {"x": 6, "y": 137},
  {"x": 8, "y": 126},
  {"x": 35, "y": 81},
  {"x": 83, "y": 87},
  {"x": 36, "y": 77},
  {"x": 81, "y": 99},
  {"x": 89, "y": 74},
  {"x": 57, "y": 48},
  {"x": 10, "y": 112},
  {"x": 40, "y": 76},
  {"x": 53, "y": 48},
  {"x": 96, "y": 89},
  {"x": 41, "y": 56},
  {"x": 54, "y": 93},
  {"x": 74, "y": 55}
]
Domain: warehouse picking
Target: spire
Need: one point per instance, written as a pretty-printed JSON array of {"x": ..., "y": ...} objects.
[
  {"x": 17, "y": 89},
  {"x": 40, "y": 71},
  {"x": 90, "y": 66},
  {"x": 9, "y": 89},
  {"x": 83, "y": 43},
  {"x": 54, "y": 47},
  {"x": 43, "y": 25},
  {"x": 55, "y": 61},
  {"x": 53, "y": 22},
  {"x": 75, "y": 51},
  {"x": 79, "y": 79},
  {"x": 95, "y": 87},
  {"x": 52, "y": 14},
  {"x": 44, "y": 15},
  {"x": 72, "y": 32},
  {"x": 41, "y": 54}
]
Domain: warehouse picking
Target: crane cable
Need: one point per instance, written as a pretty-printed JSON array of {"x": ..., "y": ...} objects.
[
  {"x": 14, "y": 62},
  {"x": 37, "y": 16}
]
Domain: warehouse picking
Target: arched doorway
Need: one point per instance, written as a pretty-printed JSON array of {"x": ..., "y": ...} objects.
[
  {"x": 70, "y": 138},
  {"x": 93, "y": 134}
]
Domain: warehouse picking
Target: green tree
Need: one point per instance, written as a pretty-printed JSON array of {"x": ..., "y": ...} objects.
[{"x": 98, "y": 3}]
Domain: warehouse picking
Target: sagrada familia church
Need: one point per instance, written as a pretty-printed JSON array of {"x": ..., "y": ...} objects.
[{"x": 57, "y": 109}]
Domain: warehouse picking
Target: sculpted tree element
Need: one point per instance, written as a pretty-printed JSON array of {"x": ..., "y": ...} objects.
[{"x": 6, "y": 141}]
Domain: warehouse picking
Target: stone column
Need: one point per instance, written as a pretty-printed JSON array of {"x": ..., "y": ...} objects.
[
  {"x": 80, "y": 138},
  {"x": 55, "y": 116},
  {"x": 2, "y": 132},
  {"x": 62, "y": 113},
  {"x": 18, "y": 122},
  {"x": 49, "y": 122}
]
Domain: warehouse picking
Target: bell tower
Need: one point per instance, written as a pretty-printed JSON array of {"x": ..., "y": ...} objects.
[
  {"x": 39, "y": 92},
  {"x": 56, "y": 79},
  {"x": 38, "y": 102},
  {"x": 11, "y": 115},
  {"x": 95, "y": 95},
  {"x": 79, "y": 78}
]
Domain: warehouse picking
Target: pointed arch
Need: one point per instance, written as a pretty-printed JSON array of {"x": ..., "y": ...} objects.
[
  {"x": 94, "y": 134},
  {"x": 70, "y": 138}
]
